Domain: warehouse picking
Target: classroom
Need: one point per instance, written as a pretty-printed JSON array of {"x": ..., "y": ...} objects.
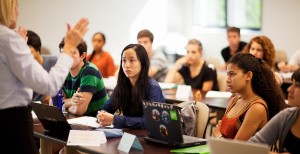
[{"x": 150, "y": 76}]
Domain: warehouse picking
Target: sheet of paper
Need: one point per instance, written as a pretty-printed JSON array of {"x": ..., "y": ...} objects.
[
  {"x": 86, "y": 138},
  {"x": 85, "y": 120},
  {"x": 165, "y": 86},
  {"x": 218, "y": 94},
  {"x": 184, "y": 92}
]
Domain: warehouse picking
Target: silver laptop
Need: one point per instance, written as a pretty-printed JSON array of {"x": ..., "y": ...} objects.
[
  {"x": 163, "y": 125},
  {"x": 226, "y": 146}
]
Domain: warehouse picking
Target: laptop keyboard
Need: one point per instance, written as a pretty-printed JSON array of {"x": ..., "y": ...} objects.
[{"x": 191, "y": 139}]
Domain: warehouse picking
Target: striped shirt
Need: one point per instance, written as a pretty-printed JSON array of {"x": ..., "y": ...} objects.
[{"x": 89, "y": 79}]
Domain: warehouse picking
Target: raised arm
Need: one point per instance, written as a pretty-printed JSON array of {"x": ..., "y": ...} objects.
[
  {"x": 173, "y": 76},
  {"x": 31, "y": 74}
]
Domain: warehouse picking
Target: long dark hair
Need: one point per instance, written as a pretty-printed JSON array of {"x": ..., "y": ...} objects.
[
  {"x": 125, "y": 99},
  {"x": 263, "y": 81},
  {"x": 104, "y": 39}
]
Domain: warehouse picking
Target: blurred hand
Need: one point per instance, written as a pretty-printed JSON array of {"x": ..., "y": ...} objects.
[
  {"x": 78, "y": 99},
  {"x": 181, "y": 61},
  {"x": 23, "y": 33},
  {"x": 74, "y": 35},
  {"x": 105, "y": 118},
  {"x": 217, "y": 130}
]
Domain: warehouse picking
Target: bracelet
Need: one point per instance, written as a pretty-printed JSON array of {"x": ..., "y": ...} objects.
[{"x": 220, "y": 136}]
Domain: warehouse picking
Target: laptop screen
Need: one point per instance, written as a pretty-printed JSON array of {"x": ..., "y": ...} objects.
[{"x": 162, "y": 121}]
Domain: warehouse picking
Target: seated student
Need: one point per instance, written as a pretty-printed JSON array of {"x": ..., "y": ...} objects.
[
  {"x": 102, "y": 59},
  {"x": 235, "y": 44},
  {"x": 263, "y": 48},
  {"x": 193, "y": 70},
  {"x": 258, "y": 101},
  {"x": 285, "y": 126},
  {"x": 133, "y": 86},
  {"x": 158, "y": 61},
  {"x": 292, "y": 65},
  {"x": 34, "y": 43},
  {"x": 85, "y": 93}
]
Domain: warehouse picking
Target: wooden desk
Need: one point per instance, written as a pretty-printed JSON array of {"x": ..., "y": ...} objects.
[{"x": 109, "y": 147}]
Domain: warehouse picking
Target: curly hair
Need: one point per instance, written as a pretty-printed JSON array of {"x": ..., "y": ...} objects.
[
  {"x": 263, "y": 81},
  {"x": 268, "y": 49}
]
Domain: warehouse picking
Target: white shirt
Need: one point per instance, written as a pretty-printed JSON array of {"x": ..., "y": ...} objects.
[
  {"x": 20, "y": 73},
  {"x": 295, "y": 59}
]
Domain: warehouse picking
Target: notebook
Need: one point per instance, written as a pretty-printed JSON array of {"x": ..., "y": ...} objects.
[
  {"x": 226, "y": 146},
  {"x": 54, "y": 121},
  {"x": 163, "y": 125}
]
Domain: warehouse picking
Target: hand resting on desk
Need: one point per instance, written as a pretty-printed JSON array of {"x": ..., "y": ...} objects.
[{"x": 105, "y": 118}]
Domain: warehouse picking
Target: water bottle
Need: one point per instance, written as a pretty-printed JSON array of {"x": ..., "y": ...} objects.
[{"x": 60, "y": 99}]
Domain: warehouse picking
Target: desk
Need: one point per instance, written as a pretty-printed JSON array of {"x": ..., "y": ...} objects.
[{"x": 109, "y": 147}]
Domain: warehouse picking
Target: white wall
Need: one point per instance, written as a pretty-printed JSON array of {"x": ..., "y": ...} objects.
[
  {"x": 120, "y": 21},
  {"x": 113, "y": 17}
]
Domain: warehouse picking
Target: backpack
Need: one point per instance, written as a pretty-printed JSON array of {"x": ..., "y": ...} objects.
[{"x": 188, "y": 111}]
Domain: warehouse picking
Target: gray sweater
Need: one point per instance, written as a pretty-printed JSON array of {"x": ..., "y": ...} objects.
[{"x": 277, "y": 128}]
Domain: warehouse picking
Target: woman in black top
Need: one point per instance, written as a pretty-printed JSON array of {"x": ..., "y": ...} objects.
[{"x": 193, "y": 70}]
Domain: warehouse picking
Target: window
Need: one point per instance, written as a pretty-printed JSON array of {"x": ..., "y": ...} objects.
[{"x": 245, "y": 14}]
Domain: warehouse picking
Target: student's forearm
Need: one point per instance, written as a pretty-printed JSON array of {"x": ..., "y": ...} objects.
[{"x": 171, "y": 74}]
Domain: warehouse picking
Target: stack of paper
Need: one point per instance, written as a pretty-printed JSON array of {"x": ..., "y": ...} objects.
[
  {"x": 86, "y": 138},
  {"x": 165, "y": 86},
  {"x": 218, "y": 94},
  {"x": 85, "y": 120}
]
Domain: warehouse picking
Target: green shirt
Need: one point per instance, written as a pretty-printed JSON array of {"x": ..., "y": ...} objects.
[{"x": 89, "y": 79}]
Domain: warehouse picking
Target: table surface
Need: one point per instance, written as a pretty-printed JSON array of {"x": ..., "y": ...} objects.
[{"x": 110, "y": 146}]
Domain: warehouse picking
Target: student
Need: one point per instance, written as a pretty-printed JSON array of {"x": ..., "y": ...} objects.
[
  {"x": 263, "y": 48},
  {"x": 159, "y": 64},
  {"x": 34, "y": 43},
  {"x": 285, "y": 126},
  {"x": 20, "y": 74},
  {"x": 292, "y": 65},
  {"x": 235, "y": 44},
  {"x": 133, "y": 86},
  {"x": 193, "y": 70},
  {"x": 258, "y": 101},
  {"x": 102, "y": 59},
  {"x": 85, "y": 92}
]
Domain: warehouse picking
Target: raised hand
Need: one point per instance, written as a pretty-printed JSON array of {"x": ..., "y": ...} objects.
[{"x": 74, "y": 35}]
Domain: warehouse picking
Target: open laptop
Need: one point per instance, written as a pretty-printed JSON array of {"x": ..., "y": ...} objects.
[
  {"x": 54, "y": 121},
  {"x": 163, "y": 125},
  {"x": 225, "y": 146}
]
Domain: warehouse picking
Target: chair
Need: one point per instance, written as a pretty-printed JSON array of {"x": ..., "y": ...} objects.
[
  {"x": 202, "y": 116},
  {"x": 215, "y": 61}
]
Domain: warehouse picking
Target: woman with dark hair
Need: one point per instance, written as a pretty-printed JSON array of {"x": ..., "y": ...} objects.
[
  {"x": 285, "y": 126},
  {"x": 258, "y": 101},
  {"x": 263, "y": 48},
  {"x": 133, "y": 86},
  {"x": 102, "y": 59}
]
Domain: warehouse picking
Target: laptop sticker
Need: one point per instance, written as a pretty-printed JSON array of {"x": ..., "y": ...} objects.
[
  {"x": 173, "y": 115},
  {"x": 163, "y": 130}
]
